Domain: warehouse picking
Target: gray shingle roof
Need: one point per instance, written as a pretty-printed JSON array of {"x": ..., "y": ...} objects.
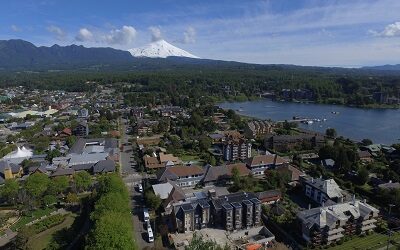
[{"x": 104, "y": 166}]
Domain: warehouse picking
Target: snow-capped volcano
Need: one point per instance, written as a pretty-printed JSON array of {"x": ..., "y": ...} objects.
[{"x": 161, "y": 49}]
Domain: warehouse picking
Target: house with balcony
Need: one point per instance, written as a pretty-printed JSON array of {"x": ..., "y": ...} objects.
[{"x": 325, "y": 225}]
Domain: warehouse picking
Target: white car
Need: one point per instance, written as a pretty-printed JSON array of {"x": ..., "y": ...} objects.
[
  {"x": 150, "y": 233},
  {"x": 140, "y": 188},
  {"x": 146, "y": 216}
]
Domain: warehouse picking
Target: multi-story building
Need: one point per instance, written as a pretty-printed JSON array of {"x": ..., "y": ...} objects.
[
  {"x": 82, "y": 129},
  {"x": 324, "y": 225},
  {"x": 231, "y": 212},
  {"x": 235, "y": 146},
  {"x": 236, "y": 211},
  {"x": 191, "y": 215},
  {"x": 289, "y": 142},
  {"x": 257, "y": 128},
  {"x": 322, "y": 191},
  {"x": 258, "y": 164}
]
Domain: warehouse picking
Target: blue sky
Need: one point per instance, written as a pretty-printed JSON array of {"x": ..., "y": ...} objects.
[{"x": 347, "y": 33}]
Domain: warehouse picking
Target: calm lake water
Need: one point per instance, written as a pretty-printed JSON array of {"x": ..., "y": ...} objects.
[{"x": 379, "y": 125}]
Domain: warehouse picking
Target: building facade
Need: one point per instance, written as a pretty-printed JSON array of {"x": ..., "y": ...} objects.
[{"x": 325, "y": 225}]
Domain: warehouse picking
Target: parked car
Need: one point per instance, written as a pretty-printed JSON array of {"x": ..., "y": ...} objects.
[
  {"x": 140, "y": 188},
  {"x": 146, "y": 216}
]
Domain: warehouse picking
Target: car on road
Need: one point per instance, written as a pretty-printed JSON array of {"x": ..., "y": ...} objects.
[
  {"x": 150, "y": 234},
  {"x": 146, "y": 216},
  {"x": 140, "y": 188}
]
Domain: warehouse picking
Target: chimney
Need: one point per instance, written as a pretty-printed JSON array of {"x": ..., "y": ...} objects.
[
  {"x": 354, "y": 199},
  {"x": 323, "y": 204},
  {"x": 365, "y": 201},
  {"x": 309, "y": 206},
  {"x": 312, "y": 179},
  {"x": 390, "y": 181}
]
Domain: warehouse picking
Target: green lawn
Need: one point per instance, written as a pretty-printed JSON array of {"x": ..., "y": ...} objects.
[
  {"x": 33, "y": 216},
  {"x": 41, "y": 240},
  {"x": 372, "y": 242}
]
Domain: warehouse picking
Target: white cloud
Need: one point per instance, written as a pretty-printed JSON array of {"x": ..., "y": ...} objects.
[
  {"x": 155, "y": 33},
  {"x": 390, "y": 30},
  {"x": 189, "y": 36},
  {"x": 123, "y": 36},
  {"x": 58, "y": 33},
  {"x": 15, "y": 28},
  {"x": 84, "y": 35}
]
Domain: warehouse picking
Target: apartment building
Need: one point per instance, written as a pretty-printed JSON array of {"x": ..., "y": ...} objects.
[
  {"x": 325, "y": 225},
  {"x": 236, "y": 211},
  {"x": 82, "y": 129},
  {"x": 288, "y": 142},
  {"x": 191, "y": 215},
  {"x": 231, "y": 212},
  {"x": 235, "y": 146},
  {"x": 257, "y": 128}
]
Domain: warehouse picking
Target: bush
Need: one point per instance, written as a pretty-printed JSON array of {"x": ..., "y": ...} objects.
[{"x": 47, "y": 223}]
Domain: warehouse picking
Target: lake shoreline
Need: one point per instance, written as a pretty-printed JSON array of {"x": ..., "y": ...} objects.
[{"x": 354, "y": 123}]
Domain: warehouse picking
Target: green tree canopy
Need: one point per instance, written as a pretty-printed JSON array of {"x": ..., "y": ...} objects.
[
  {"x": 82, "y": 180},
  {"x": 112, "y": 231},
  {"x": 36, "y": 184},
  {"x": 153, "y": 201},
  {"x": 10, "y": 190}
]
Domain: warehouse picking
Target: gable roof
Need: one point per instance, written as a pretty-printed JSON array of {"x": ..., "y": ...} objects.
[
  {"x": 152, "y": 162},
  {"x": 329, "y": 187},
  {"x": 265, "y": 160},
  {"x": 62, "y": 172},
  {"x": 220, "y": 172},
  {"x": 104, "y": 166},
  {"x": 172, "y": 173},
  {"x": 168, "y": 157}
]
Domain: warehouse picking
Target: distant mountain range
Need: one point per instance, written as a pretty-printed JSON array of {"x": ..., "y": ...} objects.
[
  {"x": 23, "y": 54},
  {"x": 391, "y": 67},
  {"x": 20, "y": 55}
]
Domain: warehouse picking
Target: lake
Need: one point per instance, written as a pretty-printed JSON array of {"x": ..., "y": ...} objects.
[{"x": 379, "y": 125}]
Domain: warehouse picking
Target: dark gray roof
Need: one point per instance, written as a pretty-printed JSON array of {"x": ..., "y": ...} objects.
[
  {"x": 62, "y": 172},
  {"x": 239, "y": 197},
  {"x": 5, "y": 164},
  {"x": 80, "y": 167},
  {"x": 79, "y": 146},
  {"x": 104, "y": 166}
]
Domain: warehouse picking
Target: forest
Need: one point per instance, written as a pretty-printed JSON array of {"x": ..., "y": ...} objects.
[{"x": 234, "y": 81}]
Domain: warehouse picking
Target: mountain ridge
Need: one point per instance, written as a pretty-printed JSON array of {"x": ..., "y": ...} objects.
[{"x": 20, "y": 53}]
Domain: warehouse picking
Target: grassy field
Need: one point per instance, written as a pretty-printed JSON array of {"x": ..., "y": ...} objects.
[
  {"x": 41, "y": 240},
  {"x": 372, "y": 242},
  {"x": 35, "y": 214}
]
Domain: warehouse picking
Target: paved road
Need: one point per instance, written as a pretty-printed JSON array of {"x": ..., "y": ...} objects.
[
  {"x": 5, "y": 239},
  {"x": 131, "y": 178}
]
